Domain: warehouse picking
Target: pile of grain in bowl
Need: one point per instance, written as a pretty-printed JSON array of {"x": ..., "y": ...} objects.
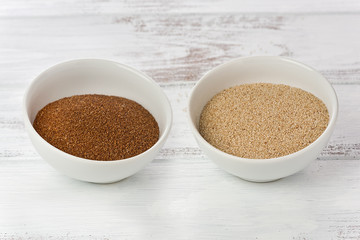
[
  {"x": 263, "y": 120},
  {"x": 97, "y": 127}
]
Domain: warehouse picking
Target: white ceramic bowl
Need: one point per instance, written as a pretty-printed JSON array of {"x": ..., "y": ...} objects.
[
  {"x": 85, "y": 76},
  {"x": 277, "y": 70}
]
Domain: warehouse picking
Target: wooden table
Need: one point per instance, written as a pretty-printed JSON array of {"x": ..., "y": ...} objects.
[{"x": 181, "y": 194}]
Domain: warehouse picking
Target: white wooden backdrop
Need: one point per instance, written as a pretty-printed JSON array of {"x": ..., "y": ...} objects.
[{"x": 181, "y": 194}]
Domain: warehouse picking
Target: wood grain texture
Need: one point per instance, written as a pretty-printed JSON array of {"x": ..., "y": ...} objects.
[
  {"x": 182, "y": 199},
  {"x": 13, "y": 8},
  {"x": 180, "y": 47},
  {"x": 181, "y": 194},
  {"x": 343, "y": 145}
]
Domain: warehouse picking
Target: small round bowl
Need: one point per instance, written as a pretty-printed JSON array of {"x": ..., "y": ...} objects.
[
  {"x": 95, "y": 76},
  {"x": 276, "y": 70}
]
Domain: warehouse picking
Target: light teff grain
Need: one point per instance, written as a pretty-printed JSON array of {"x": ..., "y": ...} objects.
[
  {"x": 263, "y": 120},
  {"x": 97, "y": 127}
]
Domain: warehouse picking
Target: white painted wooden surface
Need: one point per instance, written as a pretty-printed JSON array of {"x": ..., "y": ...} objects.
[{"x": 181, "y": 194}]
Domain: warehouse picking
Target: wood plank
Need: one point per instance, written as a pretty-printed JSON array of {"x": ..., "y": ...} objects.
[
  {"x": 180, "y": 47},
  {"x": 180, "y": 199},
  {"x": 344, "y": 144},
  {"x": 19, "y": 8}
]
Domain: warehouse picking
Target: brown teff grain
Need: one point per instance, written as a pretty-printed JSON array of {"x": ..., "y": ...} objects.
[
  {"x": 97, "y": 127},
  {"x": 263, "y": 120}
]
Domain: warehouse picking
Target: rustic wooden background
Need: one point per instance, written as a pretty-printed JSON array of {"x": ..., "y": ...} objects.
[{"x": 181, "y": 194}]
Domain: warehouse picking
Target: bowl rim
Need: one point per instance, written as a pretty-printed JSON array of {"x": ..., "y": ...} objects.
[
  {"x": 67, "y": 156},
  {"x": 324, "y": 134}
]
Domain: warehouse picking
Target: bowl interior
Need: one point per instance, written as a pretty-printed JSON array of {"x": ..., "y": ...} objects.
[
  {"x": 260, "y": 69},
  {"x": 94, "y": 76}
]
